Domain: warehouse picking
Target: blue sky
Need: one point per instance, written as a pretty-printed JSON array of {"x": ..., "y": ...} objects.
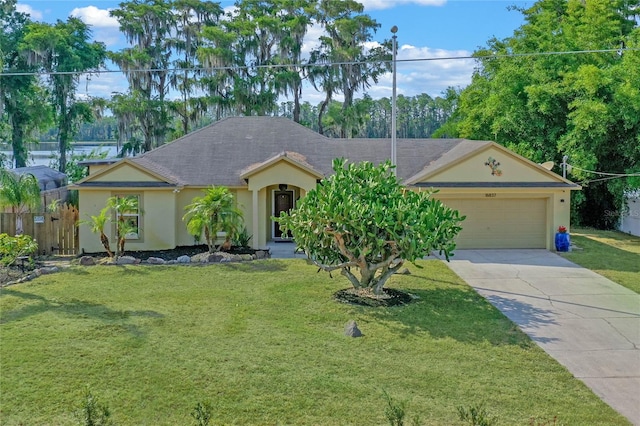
[{"x": 427, "y": 29}]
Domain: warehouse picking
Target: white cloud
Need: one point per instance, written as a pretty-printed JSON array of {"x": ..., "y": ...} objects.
[
  {"x": 97, "y": 18},
  {"x": 36, "y": 15},
  {"x": 440, "y": 69},
  {"x": 388, "y": 4},
  {"x": 425, "y": 70},
  {"x": 105, "y": 28},
  {"x": 311, "y": 39}
]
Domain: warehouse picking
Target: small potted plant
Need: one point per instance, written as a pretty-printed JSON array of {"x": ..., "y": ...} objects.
[{"x": 562, "y": 239}]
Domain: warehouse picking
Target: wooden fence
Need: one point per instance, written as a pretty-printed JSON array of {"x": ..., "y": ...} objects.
[{"x": 56, "y": 233}]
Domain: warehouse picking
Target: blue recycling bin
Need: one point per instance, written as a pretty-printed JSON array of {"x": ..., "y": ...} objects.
[{"x": 562, "y": 241}]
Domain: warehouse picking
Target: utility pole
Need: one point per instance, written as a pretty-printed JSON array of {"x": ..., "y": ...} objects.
[{"x": 394, "y": 38}]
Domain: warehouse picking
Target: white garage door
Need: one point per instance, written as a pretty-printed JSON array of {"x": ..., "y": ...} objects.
[{"x": 501, "y": 223}]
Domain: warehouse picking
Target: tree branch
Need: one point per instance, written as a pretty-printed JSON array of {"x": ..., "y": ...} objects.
[
  {"x": 341, "y": 245},
  {"x": 385, "y": 276},
  {"x": 387, "y": 262},
  {"x": 329, "y": 268},
  {"x": 354, "y": 280}
]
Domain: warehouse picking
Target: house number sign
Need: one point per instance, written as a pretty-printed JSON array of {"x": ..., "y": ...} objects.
[{"x": 490, "y": 195}]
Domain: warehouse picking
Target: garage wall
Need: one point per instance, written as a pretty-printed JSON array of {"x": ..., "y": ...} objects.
[{"x": 496, "y": 223}]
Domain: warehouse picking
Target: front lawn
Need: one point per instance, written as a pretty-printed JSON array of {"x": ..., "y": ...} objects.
[
  {"x": 612, "y": 254},
  {"x": 263, "y": 343}
]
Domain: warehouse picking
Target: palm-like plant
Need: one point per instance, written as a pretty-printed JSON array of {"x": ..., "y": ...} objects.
[
  {"x": 97, "y": 224},
  {"x": 121, "y": 206},
  {"x": 214, "y": 212},
  {"x": 19, "y": 192}
]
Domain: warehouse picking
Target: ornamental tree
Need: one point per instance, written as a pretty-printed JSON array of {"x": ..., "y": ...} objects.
[
  {"x": 362, "y": 220},
  {"x": 215, "y": 211}
]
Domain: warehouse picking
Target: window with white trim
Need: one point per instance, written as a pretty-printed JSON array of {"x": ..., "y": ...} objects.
[{"x": 129, "y": 215}]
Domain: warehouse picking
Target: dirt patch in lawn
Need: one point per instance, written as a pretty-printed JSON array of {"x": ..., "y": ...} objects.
[{"x": 389, "y": 297}]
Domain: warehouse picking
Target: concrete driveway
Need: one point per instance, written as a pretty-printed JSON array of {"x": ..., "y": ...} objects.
[{"x": 588, "y": 323}]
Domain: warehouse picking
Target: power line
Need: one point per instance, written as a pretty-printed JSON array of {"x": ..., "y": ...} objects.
[
  {"x": 612, "y": 175},
  {"x": 327, "y": 64}
]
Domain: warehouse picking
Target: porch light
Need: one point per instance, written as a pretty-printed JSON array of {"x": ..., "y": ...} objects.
[{"x": 282, "y": 187}]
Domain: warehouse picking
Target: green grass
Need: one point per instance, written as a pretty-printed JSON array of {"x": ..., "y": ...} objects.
[
  {"x": 263, "y": 343},
  {"x": 612, "y": 254}
]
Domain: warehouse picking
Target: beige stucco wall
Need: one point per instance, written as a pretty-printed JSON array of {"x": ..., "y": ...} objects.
[
  {"x": 558, "y": 203},
  {"x": 124, "y": 172},
  {"x": 95, "y": 168},
  {"x": 186, "y": 196},
  {"x": 158, "y": 219},
  {"x": 510, "y": 169},
  {"x": 473, "y": 169},
  {"x": 282, "y": 172},
  {"x": 90, "y": 204},
  {"x": 261, "y": 187},
  {"x": 244, "y": 202}
]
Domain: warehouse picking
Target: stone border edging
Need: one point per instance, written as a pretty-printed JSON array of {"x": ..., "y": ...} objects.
[{"x": 198, "y": 259}]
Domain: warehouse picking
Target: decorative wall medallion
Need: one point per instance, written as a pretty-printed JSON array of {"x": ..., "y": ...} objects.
[{"x": 493, "y": 165}]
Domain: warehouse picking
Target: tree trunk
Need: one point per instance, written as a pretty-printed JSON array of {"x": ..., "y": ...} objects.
[
  {"x": 19, "y": 226},
  {"x": 207, "y": 237},
  {"x": 17, "y": 144},
  {"x": 321, "y": 110},
  {"x": 63, "y": 143},
  {"x": 296, "y": 103},
  {"x": 105, "y": 243}
]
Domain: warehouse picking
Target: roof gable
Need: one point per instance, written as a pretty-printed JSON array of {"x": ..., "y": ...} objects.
[
  {"x": 293, "y": 158},
  {"x": 487, "y": 162},
  {"x": 126, "y": 170}
]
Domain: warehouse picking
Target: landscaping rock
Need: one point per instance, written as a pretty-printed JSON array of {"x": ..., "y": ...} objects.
[
  {"x": 87, "y": 261},
  {"x": 184, "y": 259},
  {"x": 246, "y": 257},
  {"x": 404, "y": 271},
  {"x": 200, "y": 258},
  {"x": 261, "y": 254},
  {"x": 48, "y": 270},
  {"x": 352, "y": 330},
  {"x": 215, "y": 257},
  {"x": 35, "y": 274},
  {"x": 226, "y": 257},
  {"x": 156, "y": 261},
  {"x": 127, "y": 260}
]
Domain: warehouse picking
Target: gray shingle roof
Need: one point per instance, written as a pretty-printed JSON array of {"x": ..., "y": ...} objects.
[
  {"x": 48, "y": 178},
  {"x": 219, "y": 153}
]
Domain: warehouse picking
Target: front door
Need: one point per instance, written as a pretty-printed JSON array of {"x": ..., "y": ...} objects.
[{"x": 283, "y": 202}]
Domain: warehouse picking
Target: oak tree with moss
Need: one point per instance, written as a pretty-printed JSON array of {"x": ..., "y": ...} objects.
[{"x": 361, "y": 220}]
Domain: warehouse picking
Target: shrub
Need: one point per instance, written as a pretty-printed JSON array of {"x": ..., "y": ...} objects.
[
  {"x": 12, "y": 248},
  {"x": 361, "y": 218}
]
